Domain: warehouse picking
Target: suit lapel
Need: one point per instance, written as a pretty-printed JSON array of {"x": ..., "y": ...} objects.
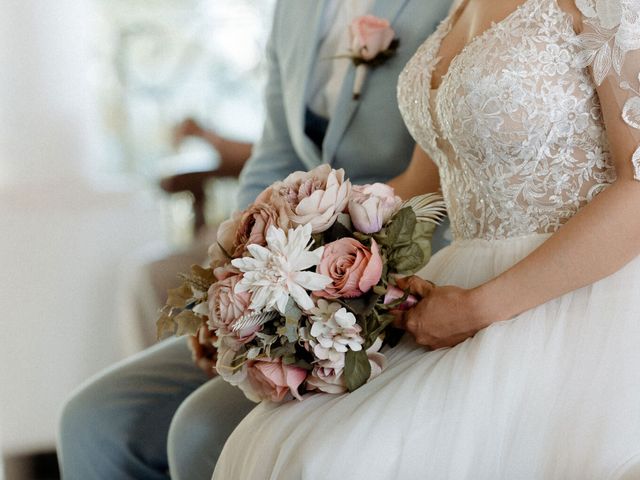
[
  {"x": 347, "y": 106},
  {"x": 310, "y": 47}
]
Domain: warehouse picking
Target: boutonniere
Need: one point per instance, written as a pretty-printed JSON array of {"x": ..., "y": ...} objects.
[{"x": 373, "y": 42}]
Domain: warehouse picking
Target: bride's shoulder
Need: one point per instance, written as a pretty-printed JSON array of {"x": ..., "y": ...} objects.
[{"x": 603, "y": 14}]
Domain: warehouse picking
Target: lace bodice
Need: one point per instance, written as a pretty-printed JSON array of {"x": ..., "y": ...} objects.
[{"x": 516, "y": 126}]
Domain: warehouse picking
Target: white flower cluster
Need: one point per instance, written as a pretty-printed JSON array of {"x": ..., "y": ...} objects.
[{"x": 333, "y": 331}]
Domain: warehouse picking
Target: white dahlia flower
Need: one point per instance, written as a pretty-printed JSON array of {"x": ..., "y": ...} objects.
[{"x": 277, "y": 272}]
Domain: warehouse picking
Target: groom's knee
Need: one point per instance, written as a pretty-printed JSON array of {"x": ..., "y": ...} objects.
[
  {"x": 201, "y": 427},
  {"x": 90, "y": 431}
]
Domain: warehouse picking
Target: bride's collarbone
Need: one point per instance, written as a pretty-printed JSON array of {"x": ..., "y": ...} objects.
[{"x": 474, "y": 18}]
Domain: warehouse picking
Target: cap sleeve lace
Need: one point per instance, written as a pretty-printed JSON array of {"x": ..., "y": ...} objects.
[{"x": 610, "y": 45}]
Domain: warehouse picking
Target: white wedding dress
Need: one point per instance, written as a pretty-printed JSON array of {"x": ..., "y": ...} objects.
[{"x": 516, "y": 128}]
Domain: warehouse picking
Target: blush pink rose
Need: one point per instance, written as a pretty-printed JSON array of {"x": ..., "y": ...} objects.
[
  {"x": 370, "y": 35},
  {"x": 226, "y": 306},
  {"x": 273, "y": 380},
  {"x": 371, "y": 206},
  {"x": 254, "y": 223},
  {"x": 316, "y": 197},
  {"x": 352, "y": 267}
]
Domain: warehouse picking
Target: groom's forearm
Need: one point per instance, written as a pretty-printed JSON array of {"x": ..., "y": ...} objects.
[{"x": 598, "y": 241}]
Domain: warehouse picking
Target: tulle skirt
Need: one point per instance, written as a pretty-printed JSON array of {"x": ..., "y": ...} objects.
[{"x": 551, "y": 394}]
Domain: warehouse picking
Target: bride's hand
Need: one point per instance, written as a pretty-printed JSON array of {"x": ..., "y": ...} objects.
[{"x": 444, "y": 317}]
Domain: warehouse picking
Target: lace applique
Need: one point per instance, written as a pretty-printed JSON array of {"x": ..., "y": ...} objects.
[
  {"x": 612, "y": 30},
  {"x": 515, "y": 127}
]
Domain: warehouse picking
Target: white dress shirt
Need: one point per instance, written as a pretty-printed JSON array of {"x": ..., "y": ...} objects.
[{"x": 329, "y": 72}]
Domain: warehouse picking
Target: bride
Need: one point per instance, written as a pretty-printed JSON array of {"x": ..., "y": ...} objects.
[{"x": 530, "y": 114}]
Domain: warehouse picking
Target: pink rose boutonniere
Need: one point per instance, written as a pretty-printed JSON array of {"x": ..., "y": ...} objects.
[{"x": 373, "y": 42}]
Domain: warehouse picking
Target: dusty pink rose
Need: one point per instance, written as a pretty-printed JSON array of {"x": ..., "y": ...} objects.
[
  {"x": 352, "y": 267},
  {"x": 371, "y": 206},
  {"x": 224, "y": 246},
  {"x": 316, "y": 197},
  {"x": 394, "y": 293},
  {"x": 226, "y": 306},
  {"x": 370, "y": 35},
  {"x": 273, "y": 380},
  {"x": 254, "y": 223}
]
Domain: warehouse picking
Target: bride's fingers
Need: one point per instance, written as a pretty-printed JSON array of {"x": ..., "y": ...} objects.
[
  {"x": 416, "y": 285},
  {"x": 401, "y": 319}
]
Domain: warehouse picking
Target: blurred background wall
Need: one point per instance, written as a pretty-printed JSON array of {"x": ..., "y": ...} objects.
[{"x": 89, "y": 93}]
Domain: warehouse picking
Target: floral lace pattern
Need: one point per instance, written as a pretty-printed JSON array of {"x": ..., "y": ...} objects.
[
  {"x": 516, "y": 127},
  {"x": 612, "y": 30}
]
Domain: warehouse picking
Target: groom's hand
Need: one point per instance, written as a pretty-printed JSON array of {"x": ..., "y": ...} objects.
[{"x": 444, "y": 317}]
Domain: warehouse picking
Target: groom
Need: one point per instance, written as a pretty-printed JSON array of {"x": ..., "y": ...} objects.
[{"x": 117, "y": 426}]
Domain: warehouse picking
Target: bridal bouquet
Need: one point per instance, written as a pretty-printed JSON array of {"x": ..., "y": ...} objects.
[{"x": 299, "y": 294}]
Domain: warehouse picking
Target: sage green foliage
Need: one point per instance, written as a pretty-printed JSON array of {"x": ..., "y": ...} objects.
[
  {"x": 406, "y": 243},
  {"x": 357, "y": 369}
]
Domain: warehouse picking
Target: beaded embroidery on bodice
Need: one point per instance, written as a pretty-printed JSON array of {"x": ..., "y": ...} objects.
[{"x": 515, "y": 127}]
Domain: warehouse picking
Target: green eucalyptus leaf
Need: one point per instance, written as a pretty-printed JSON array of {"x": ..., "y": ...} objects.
[{"x": 357, "y": 369}]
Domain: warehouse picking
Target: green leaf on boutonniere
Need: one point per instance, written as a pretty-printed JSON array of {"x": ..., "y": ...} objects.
[{"x": 357, "y": 369}]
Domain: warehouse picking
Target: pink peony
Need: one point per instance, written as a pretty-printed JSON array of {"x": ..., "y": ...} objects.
[
  {"x": 371, "y": 206},
  {"x": 370, "y": 35},
  {"x": 316, "y": 197},
  {"x": 254, "y": 223},
  {"x": 226, "y": 306},
  {"x": 352, "y": 267},
  {"x": 394, "y": 293},
  {"x": 273, "y": 380}
]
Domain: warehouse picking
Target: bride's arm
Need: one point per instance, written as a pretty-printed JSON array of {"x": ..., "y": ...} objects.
[
  {"x": 598, "y": 241},
  {"x": 602, "y": 238},
  {"x": 420, "y": 177}
]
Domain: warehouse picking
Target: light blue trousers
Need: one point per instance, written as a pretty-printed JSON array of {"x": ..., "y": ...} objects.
[{"x": 153, "y": 416}]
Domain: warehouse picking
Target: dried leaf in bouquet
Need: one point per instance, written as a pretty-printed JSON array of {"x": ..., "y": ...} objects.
[{"x": 187, "y": 323}]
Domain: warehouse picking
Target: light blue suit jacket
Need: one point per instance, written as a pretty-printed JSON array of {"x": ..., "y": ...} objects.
[{"x": 366, "y": 137}]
